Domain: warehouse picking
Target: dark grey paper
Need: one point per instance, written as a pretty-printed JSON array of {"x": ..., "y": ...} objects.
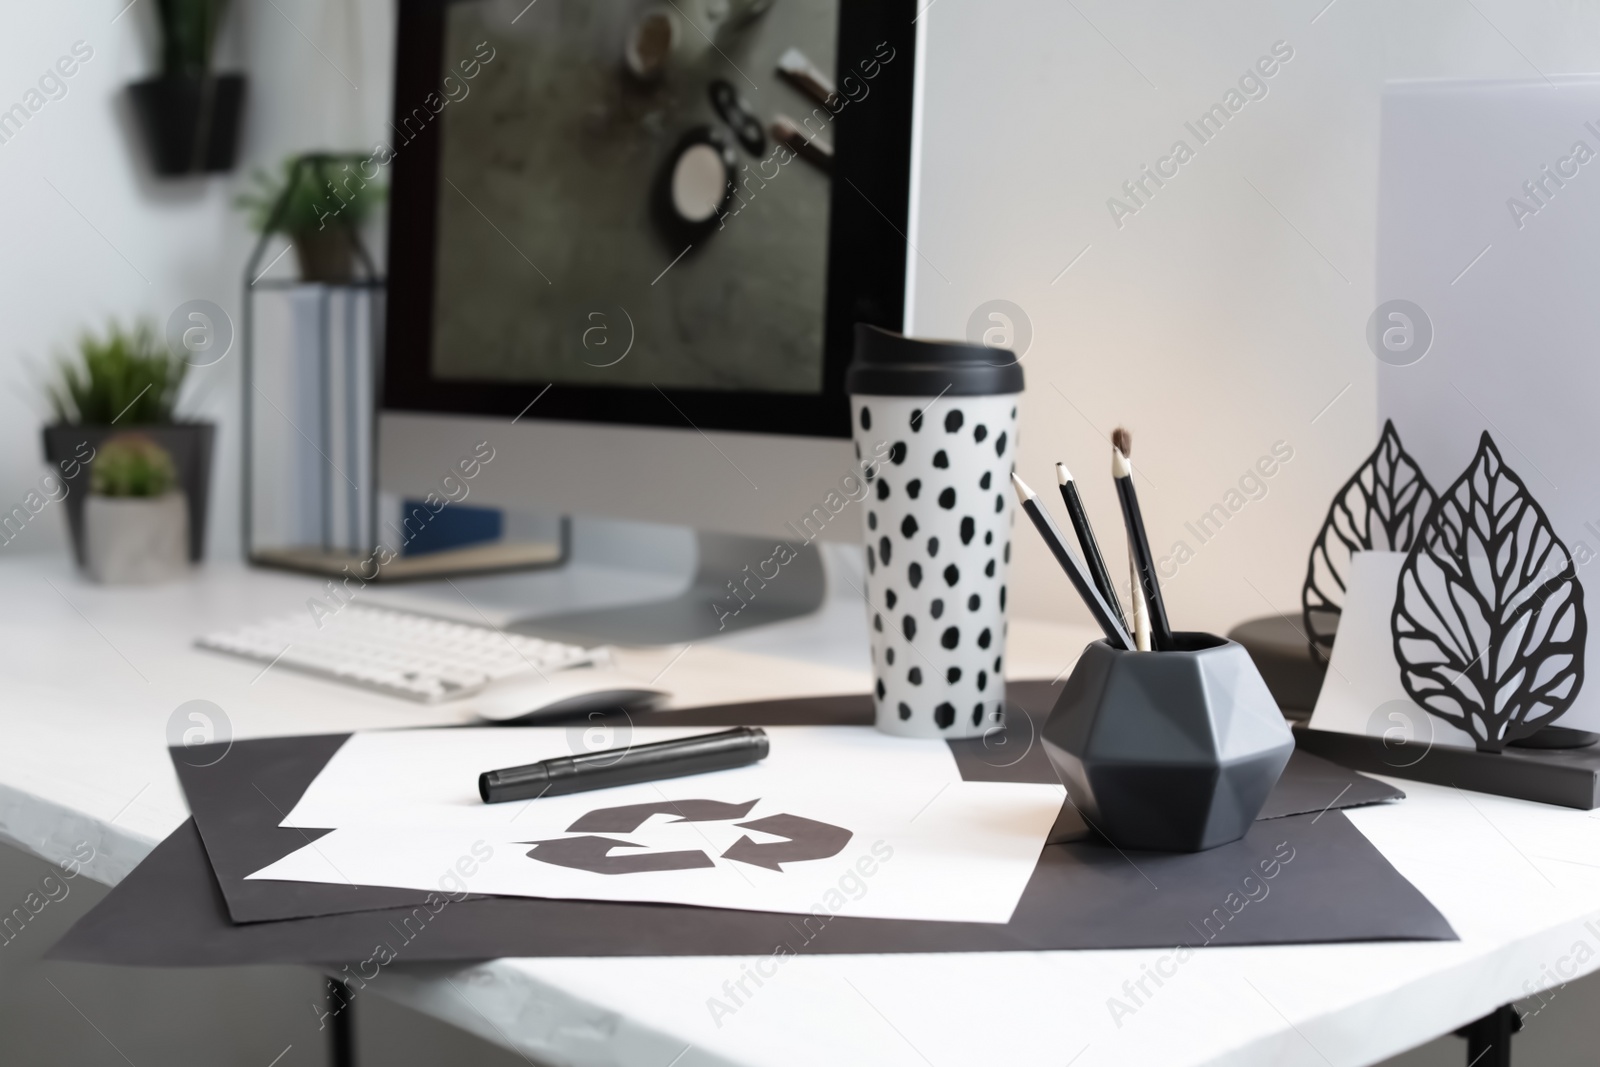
[
  {"x": 1327, "y": 884},
  {"x": 239, "y": 799}
]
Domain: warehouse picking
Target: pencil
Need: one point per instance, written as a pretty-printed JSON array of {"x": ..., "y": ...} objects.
[
  {"x": 1138, "y": 543},
  {"x": 1115, "y": 633},
  {"x": 1087, "y": 542}
]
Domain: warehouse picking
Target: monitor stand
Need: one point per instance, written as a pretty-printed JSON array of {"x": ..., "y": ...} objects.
[{"x": 709, "y": 606}]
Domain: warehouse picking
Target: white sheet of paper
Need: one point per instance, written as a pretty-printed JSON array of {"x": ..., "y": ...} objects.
[
  {"x": 1362, "y": 693},
  {"x": 838, "y": 818},
  {"x": 964, "y": 854},
  {"x": 415, "y": 778}
]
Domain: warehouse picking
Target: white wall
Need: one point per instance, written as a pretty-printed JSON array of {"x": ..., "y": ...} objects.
[
  {"x": 110, "y": 239},
  {"x": 1230, "y": 311}
]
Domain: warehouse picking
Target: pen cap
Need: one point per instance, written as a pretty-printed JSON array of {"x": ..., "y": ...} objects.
[
  {"x": 935, "y": 426},
  {"x": 891, "y": 364}
]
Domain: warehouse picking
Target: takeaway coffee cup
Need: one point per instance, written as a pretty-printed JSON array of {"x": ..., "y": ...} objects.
[{"x": 938, "y": 526}]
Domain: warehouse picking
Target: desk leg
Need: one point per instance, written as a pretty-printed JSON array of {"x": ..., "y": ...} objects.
[
  {"x": 1489, "y": 1039},
  {"x": 342, "y": 1028}
]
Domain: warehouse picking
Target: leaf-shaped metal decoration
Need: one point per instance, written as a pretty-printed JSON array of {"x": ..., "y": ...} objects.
[
  {"x": 1488, "y": 622},
  {"x": 1380, "y": 508}
]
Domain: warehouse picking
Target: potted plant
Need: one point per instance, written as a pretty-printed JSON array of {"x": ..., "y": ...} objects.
[
  {"x": 136, "y": 519},
  {"x": 122, "y": 381},
  {"x": 319, "y": 203},
  {"x": 188, "y": 112}
]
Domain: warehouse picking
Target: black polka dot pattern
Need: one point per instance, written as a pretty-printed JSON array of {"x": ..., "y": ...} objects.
[{"x": 942, "y": 493}]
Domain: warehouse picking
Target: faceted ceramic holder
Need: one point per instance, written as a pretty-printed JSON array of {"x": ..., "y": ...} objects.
[{"x": 1173, "y": 750}]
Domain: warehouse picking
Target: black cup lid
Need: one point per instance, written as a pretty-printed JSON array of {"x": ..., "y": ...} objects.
[{"x": 890, "y": 364}]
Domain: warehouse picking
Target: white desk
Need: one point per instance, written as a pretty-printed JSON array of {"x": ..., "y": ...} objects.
[{"x": 92, "y": 676}]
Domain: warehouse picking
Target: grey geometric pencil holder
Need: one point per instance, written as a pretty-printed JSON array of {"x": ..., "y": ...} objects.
[{"x": 1174, "y": 751}]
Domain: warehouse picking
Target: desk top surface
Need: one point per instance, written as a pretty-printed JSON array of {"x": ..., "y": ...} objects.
[{"x": 93, "y": 676}]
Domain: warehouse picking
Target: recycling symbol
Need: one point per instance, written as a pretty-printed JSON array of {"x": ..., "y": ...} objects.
[{"x": 804, "y": 839}]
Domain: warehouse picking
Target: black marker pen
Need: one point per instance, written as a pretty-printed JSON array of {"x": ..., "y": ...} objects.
[{"x": 738, "y": 747}]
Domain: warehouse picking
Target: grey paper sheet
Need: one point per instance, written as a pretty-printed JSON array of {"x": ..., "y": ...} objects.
[
  {"x": 1328, "y": 885},
  {"x": 239, "y": 799}
]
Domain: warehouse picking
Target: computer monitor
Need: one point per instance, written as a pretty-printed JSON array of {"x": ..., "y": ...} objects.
[{"x": 628, "y": 245}]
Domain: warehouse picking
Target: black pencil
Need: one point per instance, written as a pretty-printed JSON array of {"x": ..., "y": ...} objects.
[
  {"x": 1138, "y": 543},
  {"x": 1087, "y": 542},
  {"x": 1115, "y": 633}
]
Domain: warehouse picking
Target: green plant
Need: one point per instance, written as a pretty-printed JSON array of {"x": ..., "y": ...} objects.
[
  {"x": 132, "y": 465},
  {"x": 188, "y": 35},
  {"x": 330, "y": 190},
  {"x": 125, "y": 377}
]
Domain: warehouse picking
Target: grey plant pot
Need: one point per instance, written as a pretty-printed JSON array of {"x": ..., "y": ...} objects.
[
  {"x": 1174, "y": 751},
  {"x": 136, "y": 540},
  {"x": 189, "y": 444}
]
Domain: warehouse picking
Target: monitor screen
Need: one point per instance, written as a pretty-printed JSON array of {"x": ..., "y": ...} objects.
[
  {"x": 642, "y": 211},
  {"x": 603, "y": 150}
]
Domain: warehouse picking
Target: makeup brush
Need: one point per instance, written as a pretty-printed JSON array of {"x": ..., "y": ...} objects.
[
  {"x": 1115, "y": 632},
  {"x": 1138, "y": 543},
  {"x": 1086, "y": 541}
]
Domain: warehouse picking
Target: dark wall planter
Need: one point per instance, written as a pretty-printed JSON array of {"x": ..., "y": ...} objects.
[
  {"x": 191, "y": 125},
  {"x": 190, "y": 445}
]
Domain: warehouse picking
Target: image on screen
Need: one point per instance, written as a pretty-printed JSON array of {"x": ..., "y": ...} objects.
[{"x": 639, "y": 178}]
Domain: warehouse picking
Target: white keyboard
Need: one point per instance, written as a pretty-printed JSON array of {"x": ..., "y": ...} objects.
[{"x": 397, "y": 652}]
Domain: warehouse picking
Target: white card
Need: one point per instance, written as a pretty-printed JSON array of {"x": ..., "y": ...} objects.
[
  {"x": 962, "y": 854},
  {"x": 1362, "y": 693},
  {"x": 1504, "y": 280}
]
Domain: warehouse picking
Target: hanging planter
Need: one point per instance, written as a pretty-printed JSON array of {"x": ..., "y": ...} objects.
[
  {"x": 190, "y": 125},
  {"x": 189, "y": 114}
]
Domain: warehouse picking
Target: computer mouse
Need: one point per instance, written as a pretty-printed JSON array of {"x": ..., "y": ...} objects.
[{"x": 529, "y": 699}]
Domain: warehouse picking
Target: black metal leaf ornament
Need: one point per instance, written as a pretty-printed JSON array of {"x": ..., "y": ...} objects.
[
  {"x": 1380, "y": 507},
  {"x": 1488, "y": 622}
]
